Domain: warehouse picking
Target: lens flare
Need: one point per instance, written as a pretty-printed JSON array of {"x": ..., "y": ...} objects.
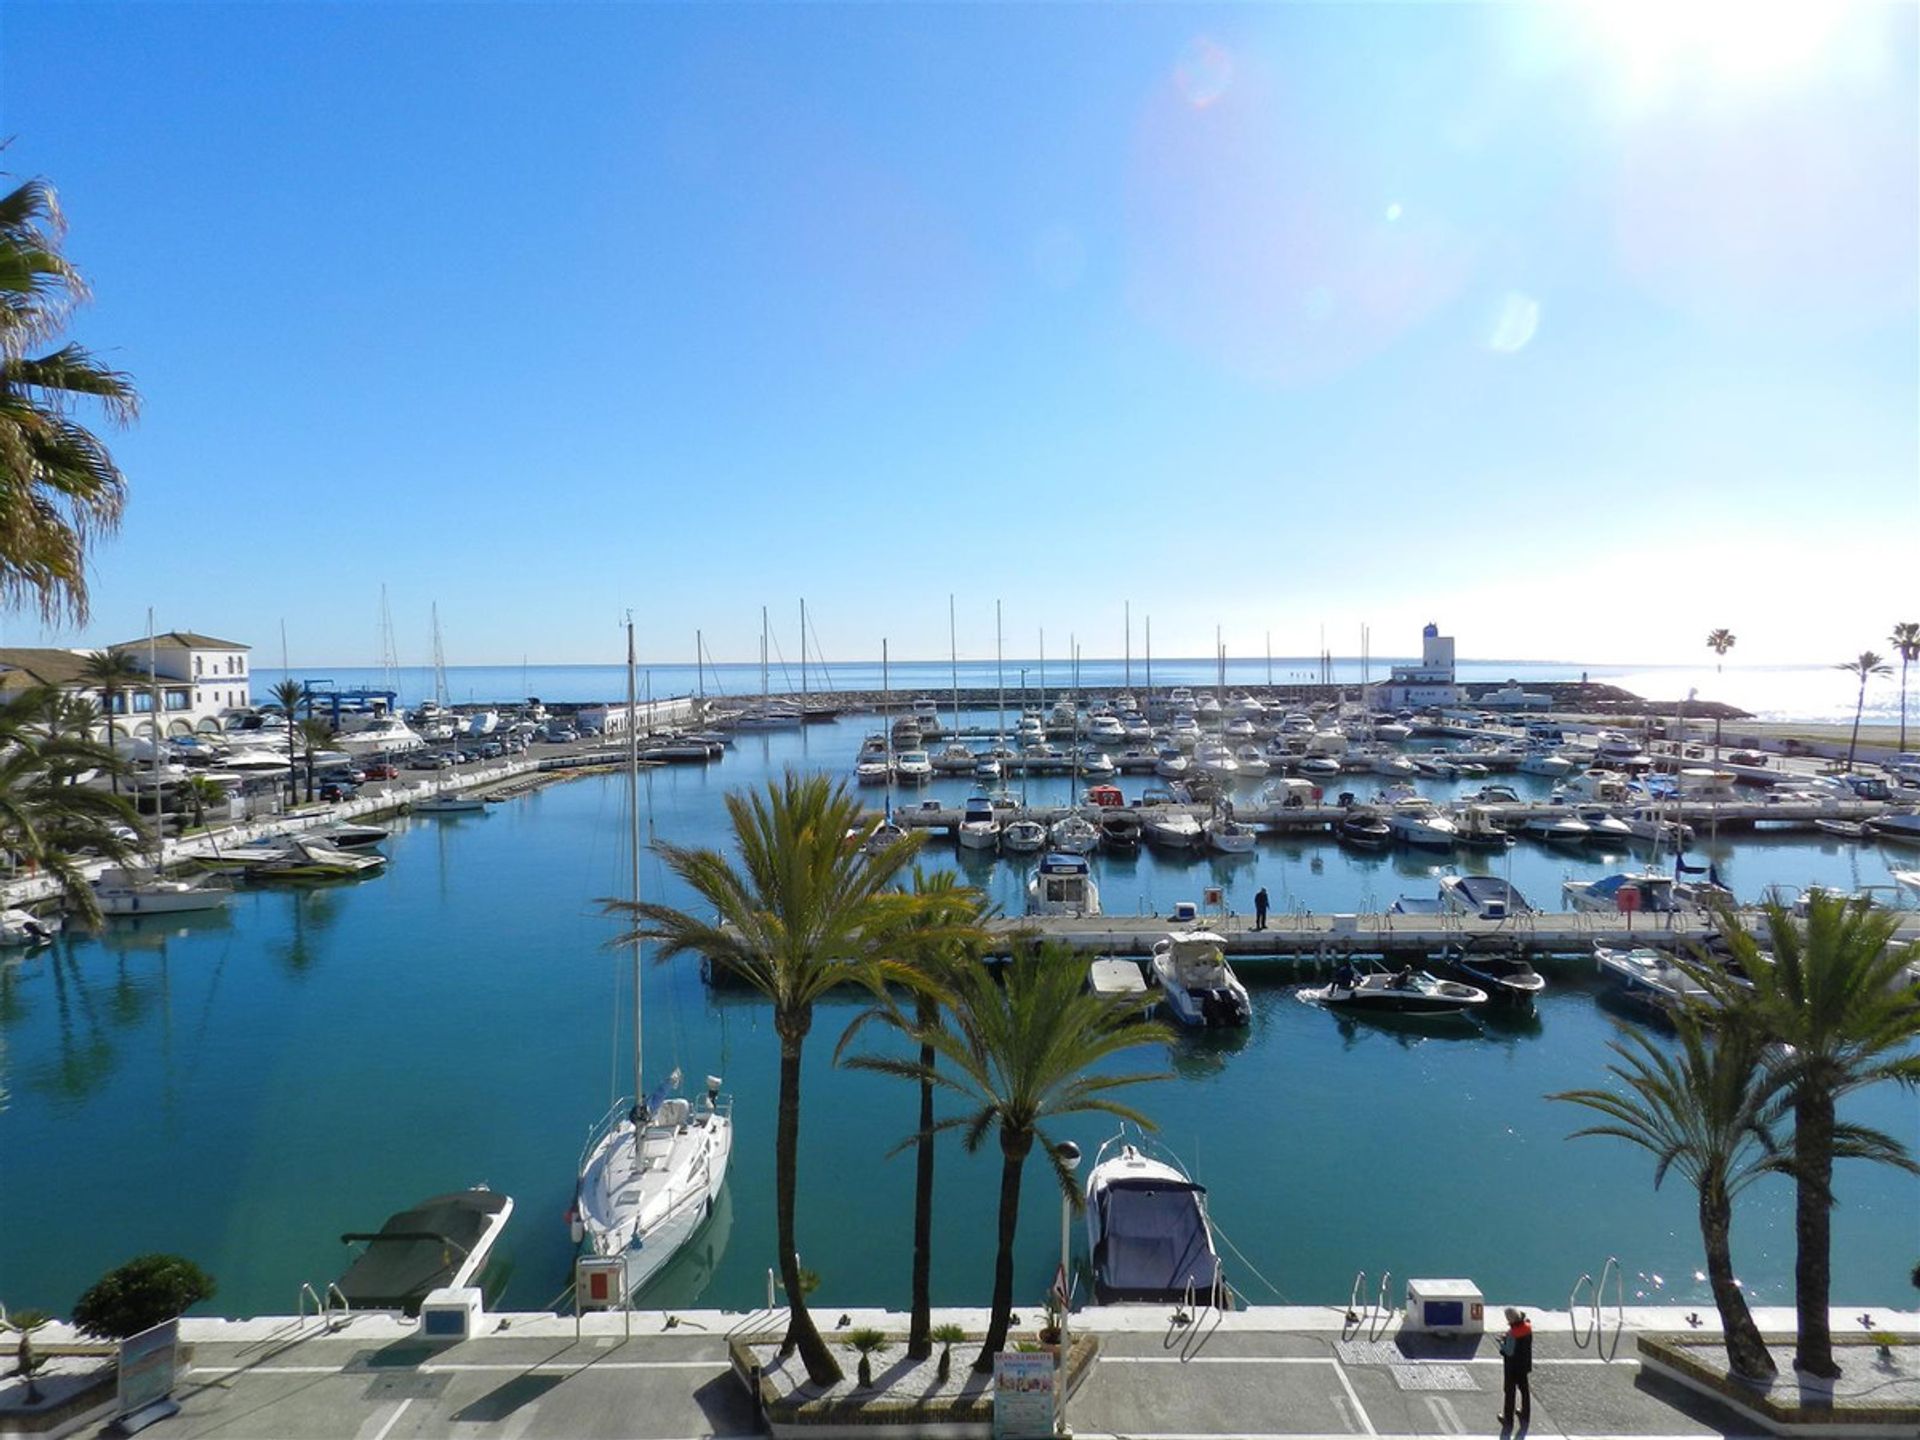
[
  {"x": 1203, "y": 72},
  {"x": 1514, "y": 324}
]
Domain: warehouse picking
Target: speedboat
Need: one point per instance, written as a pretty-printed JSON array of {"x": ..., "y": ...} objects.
[
  {"x": 1230, "y": 836},
  {"x": 1097, "y": 764},
  {"x": 349, "y": 836},
  {"x": 1120, "y": 831},
  {"x": 1073, "y": 835},
  {"x": 979, "y": 825},
  {"x": 130, "y": 892},
  {"x": 1106, "y": 729},
  {"x": 1555, "y": 829},
  {"x": 1363, "y": 830},
  {"x": 1062, "y": 884},
  {"x": 1902, "y": 828},
  {"x": 1253, "y": 763},
  {"x": 1646, "y": 891},
  {"x": 302, "y": 858},
  {"x": 23, "y": 930},
  {"x": 913, "y": 768},
  {"x": 1148, "y": 1232},
  {"x": 1547, "y": 763},
  {"x": 1486, "y": 897},
  {"x": 1170, "y": 762},
  {"x": 441, "y": 1243},
  {"x": 872, "y": 771},
  {"x": 1504, "y": 974},
  {"x": 1649, "y": 977},
  {"x": 1603, "y": 826},
  {"x": 448, "y": 802},
  {"x": 1197, "y": 985},
  {"x": 1174, "y": 829},
  {"x": 1023, "y": 837},
  {"x": 1404, "y": 992}
]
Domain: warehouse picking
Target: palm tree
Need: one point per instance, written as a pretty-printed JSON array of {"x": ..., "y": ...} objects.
[
  {"x": 113, "y": 673},
  {"x": 1706, "y": 1113},
  {"x": 287, "y": 695},
  {"x": 1720, "y": 641},
  {"x": 943, "y": 937},
  {"x": 1020, "y": 1049},
  {"x": 59, "y": 486},
  {"x": 1868, "y": 664},
  {"x": 1906, "y": 644},
  {"x": 315, "y": 735},
  {"x": 26, "y": 1364},
  {"x": 44, "y": 816},
  {"x": 803, "y": 913},
  {"x": 199, "y": 792},
  {"x": 1841, "y": 1011}
]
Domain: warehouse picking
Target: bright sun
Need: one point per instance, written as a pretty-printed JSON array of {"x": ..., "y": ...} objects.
[{"x": 1661, "y": 46}]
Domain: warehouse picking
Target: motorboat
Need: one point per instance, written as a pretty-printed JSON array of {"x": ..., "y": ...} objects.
[
  {"x": 1555, "y": 829},
  {"x": 1477, "y": 829},
  {"x": 1323, "y": 765},
  {"x": 1387, "y": 763},
  {"x": 1073, "y": 835},
  {"x": 1170, "y": 762},
  {"x": 1229, "y": 836},
  {"x": 1253, "y": 762},
  {"x": 126, "y": 891},
  {"x": 1504, "y": 974},
  {"x": 1023, "y": 837},
  {"x": 441, "y": 1243},
  {"x": 1646, "y": 891},
  {"x": 1903, "y": 829},
  {"x": 1173, "y": 828},
  {"x": 1650, "y": 977},
  {"x": 483, "y": 722},
  {"x": 1240, "y": 729},
  {"x": 375, "y": 735},
  {"x": 303, "y": 858},
  {"x": 1062, "y": 884},
  {"x": 1105, "y": 797},
  {"x": 1120, "y": 831},
  {"x": 1418, "y": 821},
  {"x": 1046, "y": 758},
  {"x": 1547, "y": 763},
  {"x": 1403, "y": 992},
  {"x": 1485, "y": 897},
  {"x": 955, "y": 758},
  {"x": 1844, "y": 829},
  {"x": 1197, "y": 986},
  {"x": 886, "y": 834},
  {"x": 1393, "y": 730},
  {"x": 21, "y": 929},
  {"x": 1106, "y": 729},
  {"x": 913, "y": 768},
  {"x": 1096, "y": 764},
  {"x": 1603, "y": 826},
  {"x": 349, "y": 836},
  {"x": 1598, "y": 787},
  {"x": 1216, "y": 759},
  {"x": 872, "y": 771},
  {"x": 1363, "y": 830},
  {"x": 1148, "y": 1232},
  {"x": 979, "y": 825},
  {"x": 986, "y": 768},
  {"x": 447, "y": 802}
]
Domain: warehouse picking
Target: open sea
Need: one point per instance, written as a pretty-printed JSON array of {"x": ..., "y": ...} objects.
[
  {"x": 245, "y": 1087},
  {"x": 1769, "y": 692}
]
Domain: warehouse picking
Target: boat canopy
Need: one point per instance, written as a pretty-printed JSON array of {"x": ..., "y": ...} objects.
[
  {"x": 418, "y": 1250},
  {"x": 1058, "y": 864},
  {"x": 1153, "y": 1242}
]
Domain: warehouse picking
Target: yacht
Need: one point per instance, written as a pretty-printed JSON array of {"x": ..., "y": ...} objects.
[
  {"x": 1547, "y": 763},
  {"x": 1214, "y": 757},
  {"x": 1097, "y": 764},
  {"x": 1197, "y": 986},
  {"x": 1363, "y": 830},
  {"x": 1229, "y": 836},
  {"x": 1170, "y": 763},
  {"x": 1322, "y": 765},
  {"x": 1486, "y": 897},
  {"x": 1253, "y": 762},
  {"x": 1646, "y": 891},
  {"x": 979, "y": 825},
  {"x": 1174, "y": 828},
  {"x": 913, "y": 768},
  {"x": 1397, "y": 766},
  {"x": 301, "y": 858},
  {"x": 483, "y": 722},
  {"x": 955, "y": 758},
  {"x": 1393, "y": 730},
  {"x": 1903, "y": 829},
  {"x": 1649, "y": 977},
  {"x": 1603, "y": 826},
  {"x": 375, "y": 735},
  {"x": 1148, "y": 1232},
  {"x": 1106, "y": 729},
  {"x": 1554, "y": 829},
  {"x": 1023, "y": 836},
  {"x": 872, "y": 770},
  {"x": 987, "y": 767},
  {"x": 1062, "y": 884},
  {"x": 1418, "y": 821},
  {"x": 1073, "y": 835}
]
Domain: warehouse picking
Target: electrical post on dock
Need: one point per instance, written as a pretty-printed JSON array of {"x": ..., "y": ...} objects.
[{"x": 1069, "y": 1154}]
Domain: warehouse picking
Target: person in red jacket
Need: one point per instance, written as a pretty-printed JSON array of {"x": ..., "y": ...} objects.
[{"x": 1516, "y": 1357}]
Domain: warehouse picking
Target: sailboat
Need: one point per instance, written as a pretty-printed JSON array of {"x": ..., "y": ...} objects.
[{"x": 653, "y": 1167}]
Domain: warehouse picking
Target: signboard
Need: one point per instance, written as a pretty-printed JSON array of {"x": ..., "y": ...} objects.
[
  {"x": 1023, "y": 1395},
  {"x": 149, "y": 1367},
  {"x": 1628, "y": 900}
]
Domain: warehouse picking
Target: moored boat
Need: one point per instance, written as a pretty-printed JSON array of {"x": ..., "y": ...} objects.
[
  {"x": 1148, "y": 1232},
  {"x": 441, "y": 1243},
  {"x": 1197, "y": 986},
  {"x": 1403, "y": 992},
  {"x": 1062, "y": 884}
]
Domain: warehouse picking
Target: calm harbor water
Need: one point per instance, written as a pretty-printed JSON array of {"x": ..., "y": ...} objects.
[{"x": 245, "y": 1087}]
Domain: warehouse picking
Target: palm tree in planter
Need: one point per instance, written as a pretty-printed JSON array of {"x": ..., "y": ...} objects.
[
  {"x": 114, "y": 674},
  {"x": 1706, "y": 1113},
  {"x": 288, "y": 695},
  {"x": 1906, "y": 644},
  {"x": 1720, "y": 641},
  {"x": 1834, "y": 998},
  {"x": 869, "y": 1342},
  {"x": 949, "y": 1335},
  {"x": 1021, "y": 1050},
  {"x": 27, "y": 1364},
  {"x": 801, "y": 913},
  {"x": 944, "y": 936},
  {"x": 1867, "y": 665}
]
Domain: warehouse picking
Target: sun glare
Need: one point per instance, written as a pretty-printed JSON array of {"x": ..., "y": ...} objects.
[{"x": 1661, "y": 46}]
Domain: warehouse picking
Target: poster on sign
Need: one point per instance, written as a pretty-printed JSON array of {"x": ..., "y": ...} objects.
[
  {"x": 149, "y": 1366},
  {"x": 1022, "y": 1395}
]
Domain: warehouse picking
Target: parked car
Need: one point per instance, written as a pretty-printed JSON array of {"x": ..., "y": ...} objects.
[
  {"x": 382, "y": 770},
  {"x": 336, "y": 790},
  {"x": 492, "y": 750},
  {"x": 429, "y": 760}
]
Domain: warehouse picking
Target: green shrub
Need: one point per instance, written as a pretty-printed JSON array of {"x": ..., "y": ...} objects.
[{"x": 140, "y": 1294}]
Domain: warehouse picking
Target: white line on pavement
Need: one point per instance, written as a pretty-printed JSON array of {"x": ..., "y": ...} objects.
[{"x": 393, "y": 1419}]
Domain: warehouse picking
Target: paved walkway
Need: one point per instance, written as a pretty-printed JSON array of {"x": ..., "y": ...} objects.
[{"x": 1297, "y": 1373}]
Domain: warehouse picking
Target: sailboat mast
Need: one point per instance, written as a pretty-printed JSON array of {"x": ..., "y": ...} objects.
[
  {"x": 1000, "y": 673},
  {"x": 159, "y": 718},
  {"x": 1149, "y": 665},
  {"x": 803, "y": 655},
  {"x": 1043, "y": 669},
  {"x": 763, "y": 657},
  {"x": 1129, "y": 644},
  {"x": 953, "y": 658},
  {"x": 699, "y": 665},
  {"x": 633, "y": 847}
]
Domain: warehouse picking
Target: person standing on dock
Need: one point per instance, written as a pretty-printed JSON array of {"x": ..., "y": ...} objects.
[
  {"x": 1260, "y": 908},
  {"x": 1516, "y": 1360}
]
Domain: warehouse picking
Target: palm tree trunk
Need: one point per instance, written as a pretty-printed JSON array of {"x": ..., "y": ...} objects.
[
  {"x": 822, "y": 1368},
  {"x": 1858, "y": 706},
  {"x": 1745, "y": 1349},
  {"x": 1013, "y": 1152},
  {"x": 920, "y": 1322},
  {"x": 113, "y": 775},
  {"x": 1813, "y": 1231},
  {"x": 1903, "y": 704}
]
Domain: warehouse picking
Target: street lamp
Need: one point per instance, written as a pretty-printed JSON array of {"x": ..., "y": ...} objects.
[{"x": 1069, "y": 1154}]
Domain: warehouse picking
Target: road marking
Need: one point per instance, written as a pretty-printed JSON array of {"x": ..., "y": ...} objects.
[
  {"x": 1344, "y": 1410},
  {"x": 1444, "y": 1416},
  {"x": 1217, "y": 1360},
  {"x": 392, "y": 1420},
  {"x": 1366, "y": 1421},
  {"x": 550, "y": 1367}
]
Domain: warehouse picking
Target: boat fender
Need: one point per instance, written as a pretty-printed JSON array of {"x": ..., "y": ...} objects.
[{"x": 574, "y": 1228}]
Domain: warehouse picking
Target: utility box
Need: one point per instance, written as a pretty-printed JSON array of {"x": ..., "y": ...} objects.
[
  {"x": 600, "y": 1282},
  {"x": 1185, "y": 910},
  {"x": 1446, "y": 1307},
  {"x": 452, "y": 1313}
]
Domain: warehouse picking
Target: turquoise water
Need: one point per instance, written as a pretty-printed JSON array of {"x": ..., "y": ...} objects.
[{"x": 245, "y": 1088}]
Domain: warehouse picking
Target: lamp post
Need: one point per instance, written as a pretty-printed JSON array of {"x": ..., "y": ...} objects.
[{"x": 1069, "y": 1154}]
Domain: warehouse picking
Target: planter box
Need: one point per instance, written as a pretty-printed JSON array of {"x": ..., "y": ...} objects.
[{"x": 1885, "y": 1403}]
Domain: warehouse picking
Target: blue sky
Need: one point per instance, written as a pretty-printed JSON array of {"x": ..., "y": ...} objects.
[{"x": 1581, "y": 329}]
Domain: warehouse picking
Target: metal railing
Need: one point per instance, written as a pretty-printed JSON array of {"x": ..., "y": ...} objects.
[{"x": 1594, "y": 1333}]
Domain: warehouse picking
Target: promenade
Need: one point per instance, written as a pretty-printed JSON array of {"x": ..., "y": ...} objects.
[{"x": 1295, "y": 1372}]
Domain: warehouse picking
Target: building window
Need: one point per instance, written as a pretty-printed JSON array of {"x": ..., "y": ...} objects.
[{"x": 196, "y": 666}]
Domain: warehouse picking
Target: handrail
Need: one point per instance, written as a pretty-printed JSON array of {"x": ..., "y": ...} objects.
[
  {"x": 346, "y": 1309},
  {"x": 319, "y": 1306},
  {"x": 1573, "y": 1312},
  {"x": 1353, "y": 1296},
  {"x": 1383, "y": 1306},
  {"x": 1619, "y": 1305}
]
